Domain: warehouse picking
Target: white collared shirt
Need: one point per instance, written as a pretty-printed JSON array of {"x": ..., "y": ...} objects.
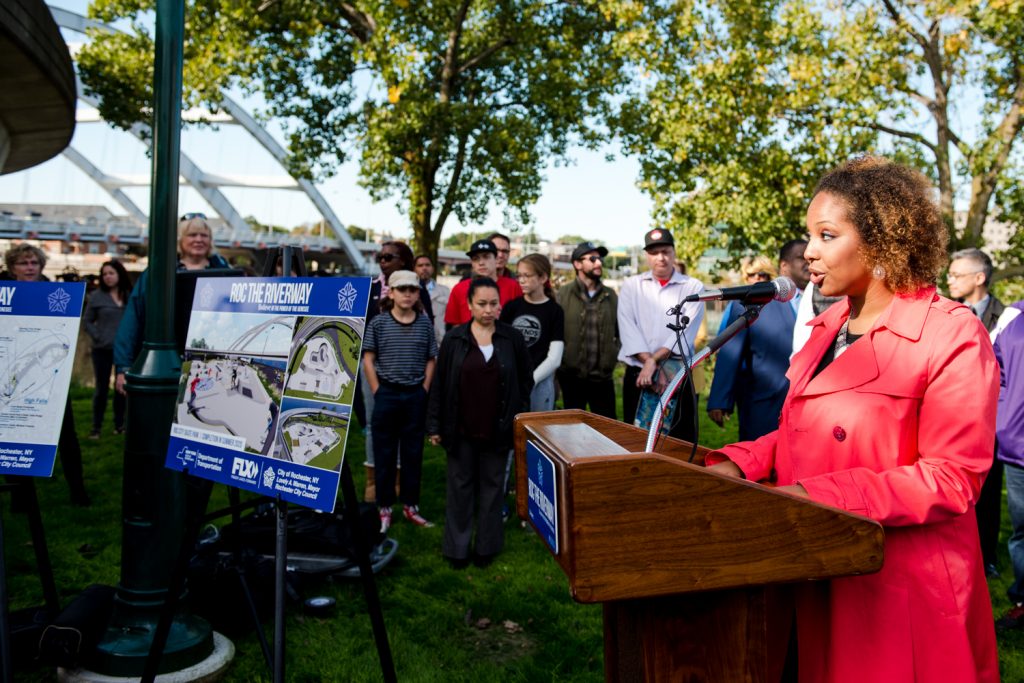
[{"x": 642, "y": 314}]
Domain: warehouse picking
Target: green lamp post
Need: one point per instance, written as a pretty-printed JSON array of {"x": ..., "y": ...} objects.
[{"x": 154, "y": 503}]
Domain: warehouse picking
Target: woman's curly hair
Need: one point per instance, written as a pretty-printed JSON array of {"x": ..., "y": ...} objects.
[{"x": 894, "y": 210}]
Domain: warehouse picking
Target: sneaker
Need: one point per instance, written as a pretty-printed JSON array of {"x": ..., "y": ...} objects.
[
  {"x": 1012, "y": 619},
  {"x": 94, "y": 435},
  {"x": 412, "y": 513},
  {"x": 385, "y": 520}
]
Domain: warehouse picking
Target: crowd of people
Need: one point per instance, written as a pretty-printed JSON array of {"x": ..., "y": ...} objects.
[{"x": 869, "y": 391}]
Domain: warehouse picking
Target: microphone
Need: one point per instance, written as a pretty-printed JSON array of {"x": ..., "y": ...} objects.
[{"x": 779, "y": 289}]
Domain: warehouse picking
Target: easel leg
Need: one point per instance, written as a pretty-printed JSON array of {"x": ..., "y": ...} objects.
[
  {"x": 236, "y": 519},
  {"x": 380, "y": 635},
  {"x": 6, "y": 656},
  {"x": 280, "y": 567},
  {"x": 35, "y": 523}
]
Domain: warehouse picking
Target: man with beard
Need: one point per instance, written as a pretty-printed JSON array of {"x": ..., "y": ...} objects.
[{"x": 591, "y": 335}]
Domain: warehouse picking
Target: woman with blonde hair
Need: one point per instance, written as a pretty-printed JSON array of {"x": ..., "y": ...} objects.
[{"x": 195, "y": 252}]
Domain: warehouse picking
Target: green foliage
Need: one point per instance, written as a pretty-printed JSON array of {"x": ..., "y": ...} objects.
[
  {"x": 461, "y": 240},
  {"x": 452, "y": 106},
  {"x": 740, "y": 107}
]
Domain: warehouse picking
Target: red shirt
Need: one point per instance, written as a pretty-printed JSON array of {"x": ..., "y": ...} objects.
[{"x": 457, "y": 312}]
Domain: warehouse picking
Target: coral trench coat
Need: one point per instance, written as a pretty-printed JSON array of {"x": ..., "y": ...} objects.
[{"x": 900, "y": 429}]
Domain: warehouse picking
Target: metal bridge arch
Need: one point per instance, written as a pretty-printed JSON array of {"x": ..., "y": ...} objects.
[{"x": 206, "y": 185}]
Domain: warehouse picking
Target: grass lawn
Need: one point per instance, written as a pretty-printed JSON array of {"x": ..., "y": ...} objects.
[{"x": 513, "y": 621}]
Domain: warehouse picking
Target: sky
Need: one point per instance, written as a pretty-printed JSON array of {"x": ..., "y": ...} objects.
[{"x": 591, "y": 196}]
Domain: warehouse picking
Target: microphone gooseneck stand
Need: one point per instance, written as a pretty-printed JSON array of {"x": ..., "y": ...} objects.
[{"x": 750, "y": 313}]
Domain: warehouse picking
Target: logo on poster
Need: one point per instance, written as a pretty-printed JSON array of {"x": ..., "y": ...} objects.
[
  {"x": 246, "y": 469},
  {"x": 58, "y": 300},
  {"x": 206, "y": 296},
  {"x": 347, "y": 298},
  {"x": 268, "y": 477},
  {"x": 186, "y": 456}
]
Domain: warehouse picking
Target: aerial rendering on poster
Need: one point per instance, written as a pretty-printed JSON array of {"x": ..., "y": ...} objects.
[
  {"x": 38, "y": 333},
  {"x": 233, "y": 395},
  {"x": 267, "y": 384},
  {"x": 325, "y": 359},
  {"x": 313, "y": 433}
]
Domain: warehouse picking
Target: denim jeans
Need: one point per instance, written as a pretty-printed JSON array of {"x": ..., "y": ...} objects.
[
  {"x": 1015, "y": 503},
  {"x": 542, "y": 397}
]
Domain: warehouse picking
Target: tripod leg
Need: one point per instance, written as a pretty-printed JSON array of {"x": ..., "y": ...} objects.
[
  {"x": 35, "y": 522},
  {"x": 280, "y": 566},
  {"x": 380, "y": 634}
]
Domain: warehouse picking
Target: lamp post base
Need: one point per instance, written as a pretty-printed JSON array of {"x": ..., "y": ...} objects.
[{"x": 124, "y": 656}]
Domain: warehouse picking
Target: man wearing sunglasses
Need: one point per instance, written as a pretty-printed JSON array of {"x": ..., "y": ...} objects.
[{"x": 591, "y": 335}]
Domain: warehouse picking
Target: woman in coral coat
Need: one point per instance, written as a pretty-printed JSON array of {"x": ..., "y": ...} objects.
[{"x": 891, "y": 415}]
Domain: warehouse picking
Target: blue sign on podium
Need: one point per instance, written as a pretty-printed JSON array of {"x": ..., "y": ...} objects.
[{"x": 542, "y": 495}]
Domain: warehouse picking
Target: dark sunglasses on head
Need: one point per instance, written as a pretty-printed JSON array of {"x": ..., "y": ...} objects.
[
  {"x": 385, "y": 258},
  {"x": 190, "y": 216}
]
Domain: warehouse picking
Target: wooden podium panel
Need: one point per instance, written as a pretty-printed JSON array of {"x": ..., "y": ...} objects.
[{"x": 687, "y": 561}]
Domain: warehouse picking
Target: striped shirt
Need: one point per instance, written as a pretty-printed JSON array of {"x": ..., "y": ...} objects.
[{"x": 402, "y": 349}]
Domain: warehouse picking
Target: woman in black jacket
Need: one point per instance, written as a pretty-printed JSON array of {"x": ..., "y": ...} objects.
[{"x": 483, "y": 380}]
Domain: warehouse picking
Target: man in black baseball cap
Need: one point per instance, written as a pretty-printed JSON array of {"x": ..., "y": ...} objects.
[
  {"x": 484, "y": 255},
  {"x": 584, "y": 248}
]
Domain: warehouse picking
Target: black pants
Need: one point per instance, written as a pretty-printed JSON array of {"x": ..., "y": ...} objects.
[
  {"x": 682, "y": 427},
  {"x": 102, "y": 364},
  {"x": 598, "y": 394},
  {"x": 398, "y": 425},
  {"x": 987, "y": 511},
  {"x": 475, "y": 476}
]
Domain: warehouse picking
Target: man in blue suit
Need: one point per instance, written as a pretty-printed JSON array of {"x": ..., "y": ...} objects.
[{"x": 750, "y": 370}]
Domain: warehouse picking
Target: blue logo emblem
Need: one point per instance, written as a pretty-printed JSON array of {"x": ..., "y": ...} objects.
[
  {"x": 347, "y": 298},
  {"x": 58, "y": 301}
]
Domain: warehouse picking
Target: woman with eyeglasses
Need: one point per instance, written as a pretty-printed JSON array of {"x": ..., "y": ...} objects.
[
  {"x": 195, "y": 252},
  {"x": 541, "y": 321},
  {"x": 483, "y": 380},
  {"x": 392, "y": 257},
  {"x": 102, "y": 317},
  {"x": 891, "y": 415}
]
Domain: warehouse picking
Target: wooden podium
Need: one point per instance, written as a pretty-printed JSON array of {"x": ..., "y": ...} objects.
[{"x": 690, "y": 565}]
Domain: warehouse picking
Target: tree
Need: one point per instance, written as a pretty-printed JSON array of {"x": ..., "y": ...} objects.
[
  {"x": 747, "y": 104},
  {"x": 451, "y": 105}
]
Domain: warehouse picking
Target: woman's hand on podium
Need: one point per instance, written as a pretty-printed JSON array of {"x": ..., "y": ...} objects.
[
  {"x": 794, "y": 490},
  {"x": 728, "y": 468}
]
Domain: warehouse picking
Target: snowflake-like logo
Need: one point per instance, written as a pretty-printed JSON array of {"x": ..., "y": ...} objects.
[
  {"x": 58, "y": 300},
  {"x": 268, "y": 477},
  {"x": 540, "y": 473},
  {"x": 347, "y": 298},
  {"x": 206, "y": 296}
]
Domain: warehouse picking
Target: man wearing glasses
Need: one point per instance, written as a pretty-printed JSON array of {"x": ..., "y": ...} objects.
[
  {"x": 970, "y": 272},
  {"x": 591, "y": 335}
]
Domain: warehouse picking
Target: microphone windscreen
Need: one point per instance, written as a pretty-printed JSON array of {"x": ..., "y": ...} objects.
[{"x": 785, "y": 288}]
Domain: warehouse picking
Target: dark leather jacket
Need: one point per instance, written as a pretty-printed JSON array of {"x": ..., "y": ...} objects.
[{"x": 515, "y": 383}]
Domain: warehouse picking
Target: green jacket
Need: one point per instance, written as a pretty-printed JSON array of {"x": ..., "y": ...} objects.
[{"x": 572, "y": 297}]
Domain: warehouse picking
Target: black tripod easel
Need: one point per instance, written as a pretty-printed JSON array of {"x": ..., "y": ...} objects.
[
  {"x": 25, "y": 489},
  {"x": 199, "y": 495}
]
